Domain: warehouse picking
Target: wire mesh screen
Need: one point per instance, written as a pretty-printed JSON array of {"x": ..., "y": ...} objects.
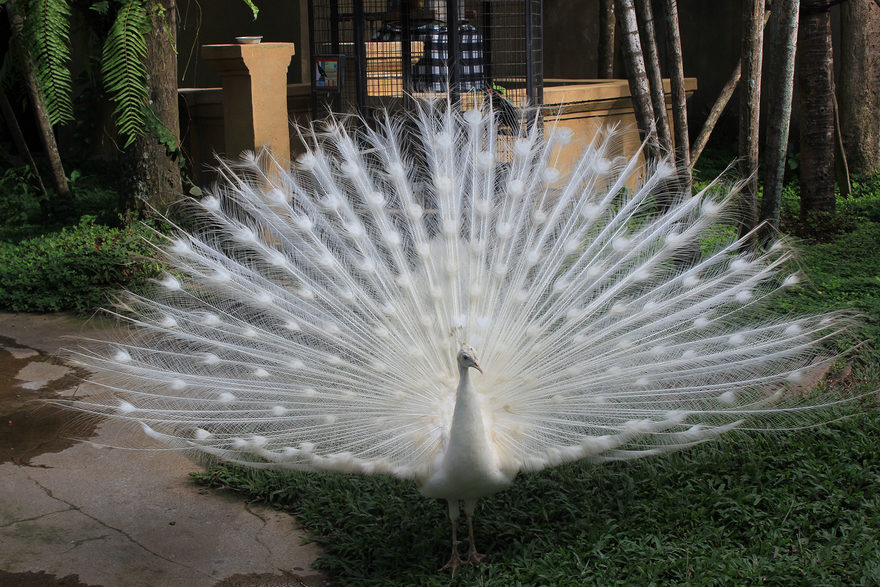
[{"x": 391, "y": 49}]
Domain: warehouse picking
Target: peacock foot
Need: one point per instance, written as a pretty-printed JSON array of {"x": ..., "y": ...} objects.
[
  {"x": 473, "y": 556},
  {"x": 453, "y": 563}
]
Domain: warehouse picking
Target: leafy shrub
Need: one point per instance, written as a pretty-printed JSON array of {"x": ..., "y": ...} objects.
[
  {"x": 97, "y": 195},
  {"x": 19, "y": 196},
  {"x": 25, "y": 212},
  {"x": 864, "y": 203},
  {"x": 74, "y": 269}
]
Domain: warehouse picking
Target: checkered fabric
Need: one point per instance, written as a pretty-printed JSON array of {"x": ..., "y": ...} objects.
[
  {"x": 388, "y": 32},
  {"x": 429, "y": 73}
]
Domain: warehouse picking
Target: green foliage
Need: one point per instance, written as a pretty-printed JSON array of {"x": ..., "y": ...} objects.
[
  {"x": 864, "y": 202},
  {"x": 102, "y": 7},
  {"x": 19, "y": 197},
  {"x": 124, "y": 68},
  {"x": 75, "y": 269},
  {"x": 47, "y": 34},
  {"x": 25, "y": 213},
  {"x": 843, "y": 274},
  {"x": 254, "y": 9},
  {"x": 798, "y": 508}
]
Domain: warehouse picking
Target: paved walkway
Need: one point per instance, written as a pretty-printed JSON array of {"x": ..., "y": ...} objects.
[{"x": 77, "y": 512}]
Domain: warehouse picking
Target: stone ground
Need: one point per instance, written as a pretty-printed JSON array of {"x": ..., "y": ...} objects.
[{"x": 75, "y": 511}]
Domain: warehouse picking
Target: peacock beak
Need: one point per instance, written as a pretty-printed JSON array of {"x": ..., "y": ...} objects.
[{"x": 477, "y": 367}]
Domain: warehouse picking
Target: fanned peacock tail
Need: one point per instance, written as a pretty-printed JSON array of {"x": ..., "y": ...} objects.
[{"x": 312, "y": 319}]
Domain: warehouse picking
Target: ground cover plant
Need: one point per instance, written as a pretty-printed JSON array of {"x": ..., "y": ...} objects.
[
  {"x": 799, "y": 507},
  {"x": 76, "y": 260},
  {"x": 77, "y": 268}
]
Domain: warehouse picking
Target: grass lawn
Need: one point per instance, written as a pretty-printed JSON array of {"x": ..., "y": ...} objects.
[{"x": 799, "y": 508}]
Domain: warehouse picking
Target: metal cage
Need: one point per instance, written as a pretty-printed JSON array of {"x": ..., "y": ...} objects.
[{"x": 369, "y": 54}]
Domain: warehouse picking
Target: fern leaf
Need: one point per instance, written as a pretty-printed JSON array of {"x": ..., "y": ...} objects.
[
  {"x": 255, "y": 10},
  {"x": 124, "y": 68},
  {"x": 47, "y": 32}
]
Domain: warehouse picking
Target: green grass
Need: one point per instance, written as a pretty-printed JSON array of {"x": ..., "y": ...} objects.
[{"x": 795, "y": 508}]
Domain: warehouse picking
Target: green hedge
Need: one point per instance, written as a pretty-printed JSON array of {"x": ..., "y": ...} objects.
[{"x": 76, "y": 268}]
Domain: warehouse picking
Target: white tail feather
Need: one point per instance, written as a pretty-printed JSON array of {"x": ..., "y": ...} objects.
[{"x": 312, "y": 321}]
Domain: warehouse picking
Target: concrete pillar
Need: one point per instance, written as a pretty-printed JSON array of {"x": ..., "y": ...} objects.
[{"x": 254, "y": 78}]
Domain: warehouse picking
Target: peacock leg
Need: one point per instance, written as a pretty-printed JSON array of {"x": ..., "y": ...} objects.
[
  {"x": 455, "y": 558},
  {"x": 472, "y": 555}
]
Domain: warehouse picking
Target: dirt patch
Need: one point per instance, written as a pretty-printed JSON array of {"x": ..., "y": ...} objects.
[
  {"x": 41, "y": 579},
  {"x": 32, "y": 427},
  {"x": 285, "y": 579}
]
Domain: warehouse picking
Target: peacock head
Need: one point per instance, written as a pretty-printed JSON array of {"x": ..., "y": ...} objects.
[{"x": 467, "y": 357}]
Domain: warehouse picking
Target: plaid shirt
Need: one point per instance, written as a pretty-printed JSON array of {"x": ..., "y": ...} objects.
[{"x": 430, "y": 73}]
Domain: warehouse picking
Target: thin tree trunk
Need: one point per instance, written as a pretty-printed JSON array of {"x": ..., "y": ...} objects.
[
  {"x": 779, "y": 84},
  {"x": 637, "y": 76},
  {"x": 718, "y": 108},
  {"x": 715, "y": 113},
  {"x": 679, "y": 97},
  {"x": 841, "y": 166},
  {"x": 814, "y": 61},
  {"x": 606, "y": 39},
  {"x": 859, "y": 87},
  {"x": 648, "y": 36},
  {"x": 44, "y": 126},
  {"x": 154, "y": 173},
  {"x": 20, "y": 142},
  {"x": 750, "y": 111}
]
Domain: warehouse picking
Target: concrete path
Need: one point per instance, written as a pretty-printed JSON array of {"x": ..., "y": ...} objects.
[{"x": 77, "y": 512}]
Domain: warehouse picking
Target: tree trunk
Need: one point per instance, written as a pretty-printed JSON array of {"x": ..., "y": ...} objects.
[
  {"x": 779, "y": 85},
  {"x": 606, "y": 39},
  {"x": 679, "y": 97},
  {"x": 859, "y": 87},
  {"x": 652, "y": 64},
  {"x": 64, "y": 204},
  {"x": 841, "y": 167},
  {"x": 750, "y": 111},
  {"x": 637, "y": 76},
  {"x": 154, "y": 173},
  {"x": 814, "y": 61},
  {"x": 21, "y": 144}
]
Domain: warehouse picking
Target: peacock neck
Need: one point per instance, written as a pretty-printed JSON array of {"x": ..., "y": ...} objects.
[
  {"x": 465, "y": 394},
  {"x": 467, "y": 418}
]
